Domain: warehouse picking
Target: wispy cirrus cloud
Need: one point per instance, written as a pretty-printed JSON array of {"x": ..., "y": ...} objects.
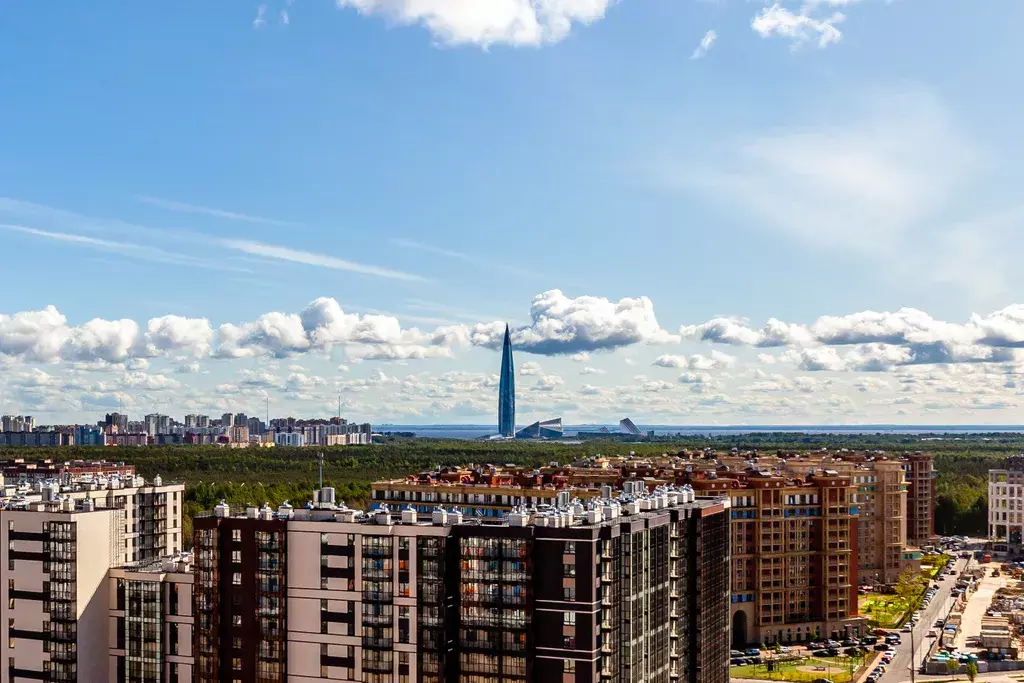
[
  {"x": 878, "y": 179},
  {"x": 705, "y": 44},
  {"x": 182, "y": 207},
  {"x": 138, "y": 251},
  {"x": 473, "y": 259},
  {"x": 276, "y": 252}
]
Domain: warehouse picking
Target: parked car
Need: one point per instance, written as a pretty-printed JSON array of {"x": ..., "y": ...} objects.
[
  {"x": 907, "y": 629},
  {"x": 881, "y": 647},
  {"x": 851, "y": 651},
  {"x": 831, "y": 643},
  {"x": 735, "y": 653},
  {"x": 752, "y": 652},
  {"x": 832, "y": 652},
  {"x": 869, "y": 640},
  {"x": 849, "y": 642}
]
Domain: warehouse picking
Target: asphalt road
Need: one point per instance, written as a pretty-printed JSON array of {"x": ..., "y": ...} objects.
[{"x": 899, "y": 671}]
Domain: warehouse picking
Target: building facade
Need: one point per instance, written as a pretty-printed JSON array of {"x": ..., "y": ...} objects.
[
  {"x": 794, "y": 568},
  {"x": 151, "y": 622},
  {"x": 619, "y": 590},
  {"x": 1006, "y": 505},
  {"x": 56, "y": 557},
  {"x": 921, "y": 475}
]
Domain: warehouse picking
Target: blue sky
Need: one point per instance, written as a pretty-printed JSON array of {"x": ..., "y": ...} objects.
[{"x": 633, "y": 185}]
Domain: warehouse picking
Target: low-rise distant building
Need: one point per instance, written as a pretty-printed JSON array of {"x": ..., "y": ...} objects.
[
  {"x": 117, "y": 439},
  {"x": 37, "y": 439}
]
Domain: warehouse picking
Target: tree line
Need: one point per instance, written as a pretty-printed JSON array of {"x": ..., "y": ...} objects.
[{"x": 253, "y": 476}]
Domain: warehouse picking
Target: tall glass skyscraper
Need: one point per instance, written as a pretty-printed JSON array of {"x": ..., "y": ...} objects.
[{"x": 507, "y": 390}]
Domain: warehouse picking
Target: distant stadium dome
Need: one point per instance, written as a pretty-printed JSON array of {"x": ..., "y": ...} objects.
[{"x": 548, "y": 429}]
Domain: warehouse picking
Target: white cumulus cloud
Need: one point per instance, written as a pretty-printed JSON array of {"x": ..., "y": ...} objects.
[
  {"x": 799, "y": 27},
  {"x": 566, "y": 325},
  {"x": 488, "y": 22}
]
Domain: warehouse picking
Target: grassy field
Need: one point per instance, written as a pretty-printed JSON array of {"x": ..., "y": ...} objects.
[{"x": 837, "y": 669}]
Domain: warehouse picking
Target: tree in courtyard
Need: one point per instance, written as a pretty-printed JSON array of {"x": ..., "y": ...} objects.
[
  {"x": 972, "y": 671},
  {"x": 952, "y": 666},
  {"x": 908, "y": 587}
]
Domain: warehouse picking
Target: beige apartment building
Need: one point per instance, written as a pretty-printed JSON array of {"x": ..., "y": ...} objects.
[
  {"x": 56, "y": 557},
  {"x": 80, "y": 605},
  {"x": 152, "y": 513},
  {"x": 880, "y": 502},
  {"x": 151, "y": 622},
  {"x": 794, "y": 547}
]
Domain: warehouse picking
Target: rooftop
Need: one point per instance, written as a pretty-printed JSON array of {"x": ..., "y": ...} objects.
[{"x": 568, "y": 512}]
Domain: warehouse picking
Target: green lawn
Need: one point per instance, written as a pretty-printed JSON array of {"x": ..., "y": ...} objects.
[
  {"x": 836, "y": 669},
  {"x": 885, "y": 610}
]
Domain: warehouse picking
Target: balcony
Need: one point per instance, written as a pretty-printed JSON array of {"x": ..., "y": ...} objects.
[
  {"x": 380, "y": 619},
  {"x": 378, "y": 596}
]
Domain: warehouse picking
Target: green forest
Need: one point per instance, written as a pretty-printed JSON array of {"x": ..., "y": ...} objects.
[{"x": 254, "y": 476}]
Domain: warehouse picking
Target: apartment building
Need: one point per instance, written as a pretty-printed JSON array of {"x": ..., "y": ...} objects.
[
  {"x": 920, "y": 468},
  {"x": 794, "y": 567},
  {"x": 17, "y": 423},
  {"x": 76, "y": 611},
  {"x": 488, "y": 491},
  {"x": 1006, "y": 505},
  {"x": 153, "y": 511},
  {"x": 56, "y": 557},
  {"x": 151, "y": 622},
  {"x": 18, "y": 470},
  {"x": 881, "y": 498},
  {"x": 43, "y": 439},
  {"x": 630, "y": 589}
]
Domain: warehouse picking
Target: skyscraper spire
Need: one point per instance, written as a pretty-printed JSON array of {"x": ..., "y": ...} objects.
[{"x": 507, "y": 390}]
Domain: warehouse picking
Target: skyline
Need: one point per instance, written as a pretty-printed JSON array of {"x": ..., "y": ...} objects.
[{"x": 690, "y": 213}]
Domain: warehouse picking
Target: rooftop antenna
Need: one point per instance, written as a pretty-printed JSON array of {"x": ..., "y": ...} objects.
[
  {"x": 268, "y": 408},
  {"x": 339, "y": 406}
]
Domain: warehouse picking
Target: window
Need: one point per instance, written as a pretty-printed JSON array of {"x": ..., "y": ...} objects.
[
  {"x": 570, "y": 547},
  {"x": 569, "y": 618},
  {"x": 236, "y": 579},
  {"x": 569, "y": 666},
  {"x": 236, "y": 535},
  {"x": 236, "y": 556}
]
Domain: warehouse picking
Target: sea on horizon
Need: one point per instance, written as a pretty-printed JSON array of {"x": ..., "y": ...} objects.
[{"x": 471, "y": 431}]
